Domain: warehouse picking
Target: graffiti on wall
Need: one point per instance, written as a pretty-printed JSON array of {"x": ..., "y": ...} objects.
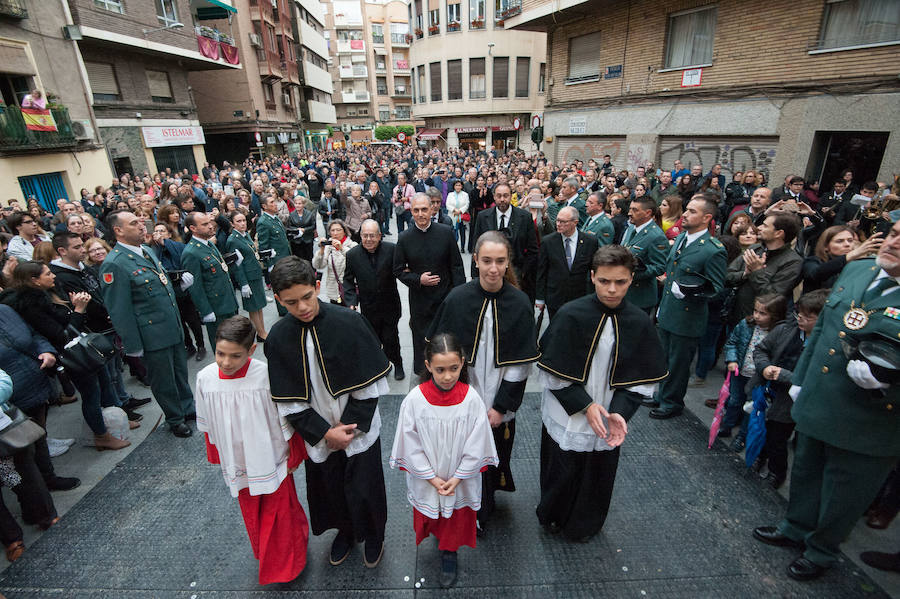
[
  {"x": 596, "y": 149},
  {"x": 734, "y": 156}
]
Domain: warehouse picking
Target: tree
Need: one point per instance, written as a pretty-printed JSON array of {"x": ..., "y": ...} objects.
[
  {"x": 408, "y": 129},
  {"x": 384, "y": 132}
]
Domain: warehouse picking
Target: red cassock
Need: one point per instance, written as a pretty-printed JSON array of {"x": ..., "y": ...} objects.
[{"x": 276, "y": 522}]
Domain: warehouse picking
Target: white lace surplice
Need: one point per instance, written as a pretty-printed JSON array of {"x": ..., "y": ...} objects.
[
  {"x": 331, "y": 408},
  {"x": 573, "y": 433},
  {"x": 486, "y": 378},
  {"x": 243, "y": 423},
  {"x": 443, "y": 441}
]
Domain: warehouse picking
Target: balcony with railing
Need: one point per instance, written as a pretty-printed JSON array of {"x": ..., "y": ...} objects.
[
  {"x": 508, "y": 9},
  {"x": 15, "y": 136},
  {"x": 402, "y": 114},
  {"x": 356, "y": 71},
  {"x": 261, "y": 10},
  {"x": 13, "y": 8},
  {"x": 380, "y": 68},
  {"x": 350, "y": 46},
  {"x": 401, "y": 40},
  {"x": 378, "y": 38},
  {"x": 269, "y": 65},
  {"x": 401, "y": 91},
  {"x": 355, "y": 97},
  {"x": 291, "y": 71}
]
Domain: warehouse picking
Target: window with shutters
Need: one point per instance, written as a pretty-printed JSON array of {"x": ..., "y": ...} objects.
[
  {"x": 102, "y": 77},
  {"x": 476, "y": 79},
  {"x": 689, "y": 38},
  {"x": 384, "y": 112},
  {"x": 542, "y": 78},
  {"x": 851, "y": 23},
  {"x": 434, "y": 70},
  {"x": 166, "y": 13},
  {"x": 160, "y": 87},
  {"x": 110, "y": 5},
  {"x": 500, "y": 86},
  {"x": 453, "y": 16},
  {"x": 381, "y": 86},
  {"x": 421, "y": 76},
  {"x": 523, "y": 65},
  {"x": 377, "y": 33},
  {"x": 583, "y": 63},
  {"x": 454, "y": 79},
  {"x": 476, "y": 14}
]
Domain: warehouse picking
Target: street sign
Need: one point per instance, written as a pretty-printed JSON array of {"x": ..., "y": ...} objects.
[
  {"x": 401, "y": 137},
  {"x": 691, "y": 77},
  {"x": 535, "y": 121},
  {"x": 258, "y": 136},
  {"x": 517, "y": 124}
]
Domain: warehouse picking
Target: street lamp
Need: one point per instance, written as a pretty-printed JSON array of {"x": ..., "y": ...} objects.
[{"x": 175, "y": 25}]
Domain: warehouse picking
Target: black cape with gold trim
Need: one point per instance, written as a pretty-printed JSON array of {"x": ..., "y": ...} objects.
[
  {"x": 462, "y": 313},
  {"x": 348, "y": 353},
  {"x": 568, "y": 345}
]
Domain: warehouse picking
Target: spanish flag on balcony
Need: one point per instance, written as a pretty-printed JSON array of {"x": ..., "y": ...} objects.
[{"x": 37, "y": 119}]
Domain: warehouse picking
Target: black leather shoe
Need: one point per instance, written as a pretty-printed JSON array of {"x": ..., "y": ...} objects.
[
  {"x": 191, "y": 416},
  {"x": 802, "y": 569},
  {"x": 552, "y": 527},
  {"x": 191, "y": 350},
  {"x": 142, "y": 380},
  {"x": 770, "y": 536},
  {"x": 63, "y": 483},
  {"x": 135, "y": 402},
  {"x": 134, "y": 416},
  {"x": 373, "y": 552},
  {"x": 664, "y": 413},
  {"x": 340, "y": 549},
  {"x": 399, "y": 374},
  {"x": 182, "y": 430},
  {"x": 881, "y": 561},
  {"x": 649, "y": 403},
  {"x": 201, "y": 354},
  {"x": 774, "y": 480},
  {"x": 448, "y": 568}
]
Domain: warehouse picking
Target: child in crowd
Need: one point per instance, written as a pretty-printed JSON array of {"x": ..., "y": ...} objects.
[
  {"x": 775, "y": 358},
  {"x": 257, "y": 449},
  {"x": 768, "y": 310},
  {"x": 444, "y": 442}
]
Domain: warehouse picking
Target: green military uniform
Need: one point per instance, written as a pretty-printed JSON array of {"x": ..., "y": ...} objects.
[
  {"x": 652, "y": 248},
  {"x": 848, "y": 437},
  {"x": 212, "y": 291},
  {"x": 249, "y": 271},
  {"x": 682, "y": 321},
  {"x": 141, "y": 303},
  {"x": 601, "y": 227},
  {"x": 270, "y": 235},
  {"x": 553, "y": 208}
]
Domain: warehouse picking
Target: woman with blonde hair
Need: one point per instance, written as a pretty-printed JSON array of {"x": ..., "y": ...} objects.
[{"x": 671, "y": 209}]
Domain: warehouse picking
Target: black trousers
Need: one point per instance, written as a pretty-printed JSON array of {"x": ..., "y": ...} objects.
[
  {"x": 302, "y": 250},
  {"x": 190, "y": 321},
  {"x": 499, "y": 477},
  {"x": 775, "y": 451},
  {"x": 387, "y": 332},
  {"x": 41, "y": 454},
  {"x": 576, "y": 488},
  {"x": 418, "y": 325},
  {"x": 348, "y": 494},
  {"x": 34, "y": 497}
]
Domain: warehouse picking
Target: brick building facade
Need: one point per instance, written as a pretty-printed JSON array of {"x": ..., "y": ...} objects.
[{"x": 807, "y": 87}]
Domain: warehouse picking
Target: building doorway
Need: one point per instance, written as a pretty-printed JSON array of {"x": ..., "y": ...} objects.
[
  {"x": 835, "y": 151},
  {"x": 123, "y": 166},
  {"x": 46, "y": 189},
  {"x": 177, "y": 158}
]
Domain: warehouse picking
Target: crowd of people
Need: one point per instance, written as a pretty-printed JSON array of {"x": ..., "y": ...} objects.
[{"x": 647, "y": 279}]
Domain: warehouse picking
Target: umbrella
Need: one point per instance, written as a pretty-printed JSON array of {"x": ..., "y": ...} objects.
[
  {"x": 720, "y": 410},
  {"x": 756, "y": 431}
]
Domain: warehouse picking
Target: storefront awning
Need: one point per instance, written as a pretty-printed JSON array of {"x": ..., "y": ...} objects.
[{"x": 430, "y": 134}]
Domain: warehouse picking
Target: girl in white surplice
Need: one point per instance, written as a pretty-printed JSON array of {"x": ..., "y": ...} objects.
[{"x": 443, "y": 443}]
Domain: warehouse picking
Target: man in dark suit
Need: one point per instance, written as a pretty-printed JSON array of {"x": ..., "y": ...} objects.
[
  {"x": 437, "y": 215},
  {"x": 370, "y": 286},
  {"x": 427, "y": 261},
  {"x": 564, "y": 263},
  {"x": 518, "y": 227}
]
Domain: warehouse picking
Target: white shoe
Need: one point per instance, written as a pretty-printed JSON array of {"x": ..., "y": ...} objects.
[{"x": 57, "y": 447}]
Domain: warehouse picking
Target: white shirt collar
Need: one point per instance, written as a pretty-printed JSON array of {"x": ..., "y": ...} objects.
[
  {"x": 58, "y": 262},
  {"x": 691, "y": 237},
  {"x": 139, "y": 250},
  {"x": 882, "y": 274},
  {"x": 573, "y": 237},
  {"x": 203, "y": 241},
  {"x": 639, "y": 228},
  {"x": 426, "y": 228},
  {"x": 507, "y": 214}
]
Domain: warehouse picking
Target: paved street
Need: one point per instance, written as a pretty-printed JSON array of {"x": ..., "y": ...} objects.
[{"x": 156, "y": 520}]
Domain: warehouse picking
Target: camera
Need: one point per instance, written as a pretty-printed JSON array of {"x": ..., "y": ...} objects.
[
  {"x": 324, "y": 242},
  {"x": 292, "y": 231}
]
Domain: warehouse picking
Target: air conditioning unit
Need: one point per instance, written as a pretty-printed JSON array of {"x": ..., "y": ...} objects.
[
  {"x": 256, "y": 40},
  {"x": 83, "y": 130},
  {"x": 345, "y": 127}
]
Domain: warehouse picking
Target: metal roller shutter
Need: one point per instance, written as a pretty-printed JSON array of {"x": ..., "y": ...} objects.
[
  {"x": 735, "y": 154},
  {"x": 572, "y": 148},
  {"x": 102, "y": 78}
]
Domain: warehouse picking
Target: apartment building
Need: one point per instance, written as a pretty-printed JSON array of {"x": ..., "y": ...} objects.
[
  {"x": 136, "y": 60},
  {"x": 808, "y": 87},
  {"x": 474, "y": 79},
  {"x": 56, "y": 162},
  {"x": 281, "y": 100},
  {"x": 370, "y": 45}
]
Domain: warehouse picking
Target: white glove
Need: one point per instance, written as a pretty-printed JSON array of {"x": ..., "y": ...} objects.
[
  {"x": 271, "y": 267},
  {"x": 187, "y": 279},
  {"x": 676, "y": 291},
  {"x": 860, "y": 373},
  {"x": 137, "y": 354},
  {"x": 240, "y": 258},
  {"x": 299, "y": 234},
  {"x": 794, "y": 392},
  {"x": 211, "y": 317},
  {"x": 245, "y": 291}
]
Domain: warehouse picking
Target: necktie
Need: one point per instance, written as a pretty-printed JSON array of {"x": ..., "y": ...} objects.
[
  {"x": 502, "y": 221},
  {"x": 681, "y": 245},
  {"x": 629, "y": 233},
  {"x": 879, "y": 288},
  {"x": 569, "y": 255}
]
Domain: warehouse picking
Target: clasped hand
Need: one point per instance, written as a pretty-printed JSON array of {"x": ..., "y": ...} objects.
[
  {"x": 444, "y": 487},
  {"x": 614, "y": 435},
  {"x": 338, "y": 437}
]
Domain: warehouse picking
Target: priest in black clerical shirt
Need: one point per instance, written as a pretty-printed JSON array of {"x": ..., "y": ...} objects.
[{"x": 427, "y": 261}]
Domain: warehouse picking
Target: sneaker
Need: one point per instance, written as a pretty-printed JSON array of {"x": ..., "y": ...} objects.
[
  {"x": 56, "y": 447},
  {"x": 696, "y": 382},
  {"x": 448, "y": 568}
]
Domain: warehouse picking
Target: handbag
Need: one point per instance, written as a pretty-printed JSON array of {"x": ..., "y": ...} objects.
[
  {"x": 466, "y": 217},
  {"x": 21, "y": 432},
  {"x": 86, "y": 352}
]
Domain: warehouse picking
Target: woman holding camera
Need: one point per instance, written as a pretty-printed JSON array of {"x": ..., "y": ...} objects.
[
  {"x": 458, "y": 209},
  {"x": 248, "y": 274},
  {"x": 332, "y": 257}
]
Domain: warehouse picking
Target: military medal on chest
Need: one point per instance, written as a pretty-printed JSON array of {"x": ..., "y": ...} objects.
[
  {"x": 856, "y": 318},
  {"x": 163, "y": 279}
]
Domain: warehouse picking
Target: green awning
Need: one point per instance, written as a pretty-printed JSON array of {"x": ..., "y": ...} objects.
[{"x": 224, "y": 5}]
